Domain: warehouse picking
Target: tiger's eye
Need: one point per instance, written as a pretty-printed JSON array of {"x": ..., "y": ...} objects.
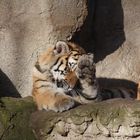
[{"x": 59, "y": 49}]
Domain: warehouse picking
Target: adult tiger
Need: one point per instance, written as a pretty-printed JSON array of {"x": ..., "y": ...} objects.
[{"x": 64, "y": 76}]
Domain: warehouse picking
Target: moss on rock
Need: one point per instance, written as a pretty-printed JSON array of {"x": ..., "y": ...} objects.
[{"x": 14, "y": 118}]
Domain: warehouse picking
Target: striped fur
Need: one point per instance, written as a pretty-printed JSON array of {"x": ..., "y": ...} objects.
[
  {"x": 56, "y": 64},
  {"x": 65, "y": 76},
  {"x": 117, "y": 92}
]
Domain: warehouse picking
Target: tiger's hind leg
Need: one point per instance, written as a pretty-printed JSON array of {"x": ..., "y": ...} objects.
[
  {"x": 85, "y": 72},
  {"x": 138, "y": 91},
  {"x": 53, "y": 101}
]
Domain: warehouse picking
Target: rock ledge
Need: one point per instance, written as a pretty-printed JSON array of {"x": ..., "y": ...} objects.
[{"x": 105, "y": 120}]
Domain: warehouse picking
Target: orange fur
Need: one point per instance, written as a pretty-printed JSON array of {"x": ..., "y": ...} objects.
[
  {"x": 138, "y": 92},
  {"x": 50, "y": 101},
  {"x": 67, "y": 63},
  {"x": 45, "y": 92},
  {"x": 71, "y": 78}
]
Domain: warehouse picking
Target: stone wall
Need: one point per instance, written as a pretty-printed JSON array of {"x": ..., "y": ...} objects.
[
  {"x": 109, "y": 120},
  {"x": 113, "y": 119}
]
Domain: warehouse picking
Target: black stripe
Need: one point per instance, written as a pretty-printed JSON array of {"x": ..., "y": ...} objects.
[
  {"x": 76, "y": 54},
  {"x": 121, "y": 93},
  {"x": 106, "y": 94},
  {"x": 66, "y": 64},
  {"x": 55, "y": 62},
  {"x": 132, "y": 94},
  {"x": 112, "y": 95},
  {"x": 58, "y": 66},
  {"x": 37, "y": 66},
  {"x": 61, "y": 63}
]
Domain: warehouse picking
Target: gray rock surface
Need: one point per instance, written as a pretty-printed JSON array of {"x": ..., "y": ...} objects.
[
  {"x": 117, "y": 39},
  {"x": 27, "y": 27},
  {"x": 109, "y": 120}
]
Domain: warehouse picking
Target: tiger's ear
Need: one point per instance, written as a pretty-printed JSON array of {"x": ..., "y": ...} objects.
[{"x": 61, "y": 47}]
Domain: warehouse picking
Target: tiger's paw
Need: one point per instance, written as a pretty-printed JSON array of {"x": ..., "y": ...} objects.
[
  {"x": 60, "y": 105},
  {"x": 85, "y": 67},
  {"x": 64, "y": 104}
]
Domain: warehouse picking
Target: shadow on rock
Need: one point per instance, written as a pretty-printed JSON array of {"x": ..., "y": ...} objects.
[
  {"x": 7, "y": 88},
  {"x": 103, "y": 29}
]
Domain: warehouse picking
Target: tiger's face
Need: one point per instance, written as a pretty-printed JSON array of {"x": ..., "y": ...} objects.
[{"x": 61, "y": 61}]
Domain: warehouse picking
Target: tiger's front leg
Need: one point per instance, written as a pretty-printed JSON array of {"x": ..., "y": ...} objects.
[
  {"x": 85, "y": 72},
  {"x": 55, "y": 101}
]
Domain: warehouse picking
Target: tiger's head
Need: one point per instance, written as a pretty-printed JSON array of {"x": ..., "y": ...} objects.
[{"x": 60, "y": 62}]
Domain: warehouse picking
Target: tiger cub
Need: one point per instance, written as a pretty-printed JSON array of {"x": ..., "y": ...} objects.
[
  {"x": 65, "y": 76},
  {"x": 58, "y": 72}
]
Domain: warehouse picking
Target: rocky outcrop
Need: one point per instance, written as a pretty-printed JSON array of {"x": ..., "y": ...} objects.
[{"x": 114, "y": 119}]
